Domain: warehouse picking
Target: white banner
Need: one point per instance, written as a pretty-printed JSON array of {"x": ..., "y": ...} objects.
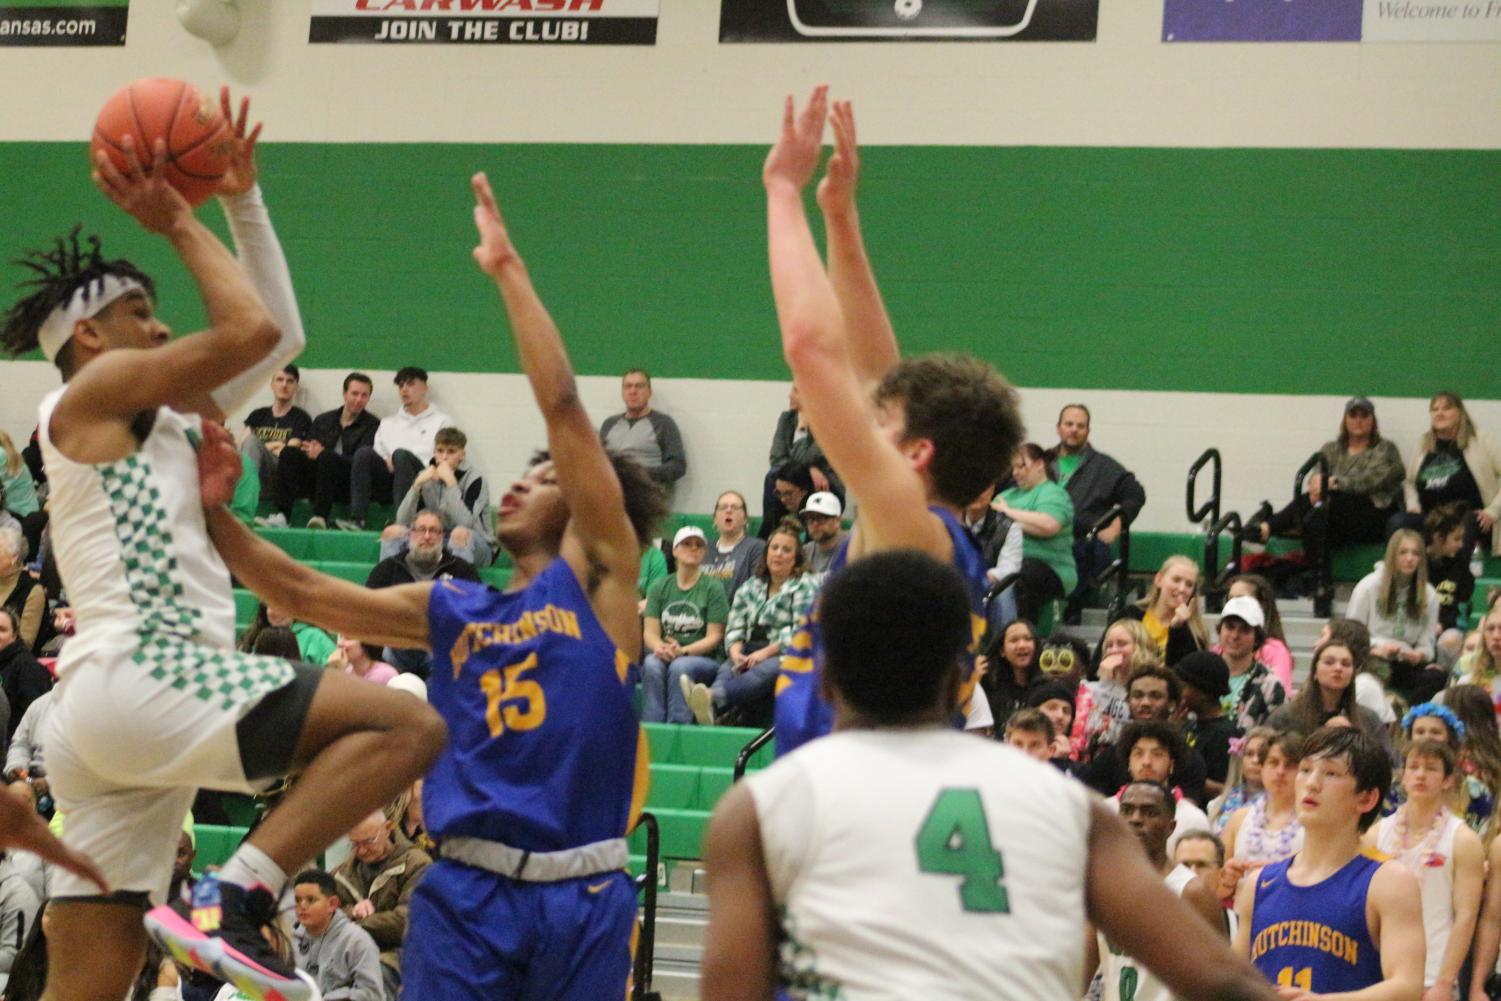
[
  {"x": 1431, "y": 21},
  {"x": 479, "y": 22}
]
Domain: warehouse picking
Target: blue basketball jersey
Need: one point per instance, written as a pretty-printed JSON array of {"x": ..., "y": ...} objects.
[
  {"x": 545, "y": 751},
  {"x": 1315, "y": 937},
  {"x": 801, "y": 712}
]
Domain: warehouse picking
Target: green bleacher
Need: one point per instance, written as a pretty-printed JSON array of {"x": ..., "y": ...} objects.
[{"x": 691, "y": 768}]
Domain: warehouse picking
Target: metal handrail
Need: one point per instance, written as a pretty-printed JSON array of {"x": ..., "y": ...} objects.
[
  {"x": 1317, "y": 459},
  {"x": 1216, "y": 576},
  {"x": 1323, "y": 561},
  {"x": 759, "y": 741},
  {"x": 1210, "y": 510},
  {"x": 646, "y": 949},
  {"x": 996, "y": 589},
  {"x": 1120, "y": 567}
]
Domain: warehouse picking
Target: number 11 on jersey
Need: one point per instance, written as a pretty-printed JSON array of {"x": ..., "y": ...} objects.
[{"x": 954, "y": 840}]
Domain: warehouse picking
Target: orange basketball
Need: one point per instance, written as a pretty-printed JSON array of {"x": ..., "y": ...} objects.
[{"x": 196, "y": 134}]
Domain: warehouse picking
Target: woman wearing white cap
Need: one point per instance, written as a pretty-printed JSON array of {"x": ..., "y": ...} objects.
[{"x": 681, "y": 632}]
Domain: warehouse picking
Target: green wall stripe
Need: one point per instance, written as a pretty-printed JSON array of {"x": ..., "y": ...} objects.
[{"x": 1292, "y": 271}]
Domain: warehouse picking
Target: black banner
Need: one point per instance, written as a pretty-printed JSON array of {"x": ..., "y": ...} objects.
[
  {"x": 908, "y": 20},
  {"x": 63, "y": 25},
  {"x": 486, "y": 30}
]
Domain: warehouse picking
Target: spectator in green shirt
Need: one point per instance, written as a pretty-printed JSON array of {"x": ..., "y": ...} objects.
[
  {"x": 763, "y": 618},
  {"x": 312, "y": 643},
  {"x": 653, "y": 569},
  {"x": 1046, "y": 515},
  {"x": 684, "y": 627}
]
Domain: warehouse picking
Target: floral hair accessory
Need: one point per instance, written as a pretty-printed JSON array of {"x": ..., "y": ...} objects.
[
  {"x": 1434, "y": 709},
  {"x": 1237, "y": 746}
]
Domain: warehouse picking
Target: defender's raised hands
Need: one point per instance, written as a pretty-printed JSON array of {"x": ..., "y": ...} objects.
[
  {"x": 495, "y": 249},
  {"x": 836, "y": 192},
  {"x": 240, "y": 175},
  {"x": 795, "y": 156}
]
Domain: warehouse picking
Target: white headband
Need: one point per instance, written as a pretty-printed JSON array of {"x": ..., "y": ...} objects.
[{"x": 85, "y": 304}]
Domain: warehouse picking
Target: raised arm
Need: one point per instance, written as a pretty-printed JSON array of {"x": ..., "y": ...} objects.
[
  {"x": 596, "y": 503},
  {"x": 120, "y": 384},
  {"x": 390, "y": 616},
  {"x": 1177, "y": 945},
  {"x": 893, "y": 511},
  {"x": 867, "y": 327},
  {"x": 260, "y": 254}
]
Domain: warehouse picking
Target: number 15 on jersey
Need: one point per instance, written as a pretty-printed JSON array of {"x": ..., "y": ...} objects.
[{"x": 513, "y": 702}]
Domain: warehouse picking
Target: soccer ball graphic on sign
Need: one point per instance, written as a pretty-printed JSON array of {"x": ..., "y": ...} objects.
[{"x": 908, "y": 9}]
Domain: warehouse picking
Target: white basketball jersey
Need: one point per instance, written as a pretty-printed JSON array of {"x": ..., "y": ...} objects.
[
  {"x": 132, "y": 546},
  {"x": 1433, "y": 865},
  {"x": 1122, "y": 977},
  {"x": 924, "y": 863}
]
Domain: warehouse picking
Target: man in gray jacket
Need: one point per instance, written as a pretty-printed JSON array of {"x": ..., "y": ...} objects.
[
  {"x": 1095, "y": 483},
  {"x": 646, "y": 435},
  {"x": 337, "y": 953},
  {"x": 457, "y": 492}
]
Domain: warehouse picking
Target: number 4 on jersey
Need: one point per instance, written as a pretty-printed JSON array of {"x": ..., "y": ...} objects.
[{"x": 954, "y": 840}]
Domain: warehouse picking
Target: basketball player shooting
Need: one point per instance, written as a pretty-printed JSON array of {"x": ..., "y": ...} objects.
[{"x": 152, "y": 701}]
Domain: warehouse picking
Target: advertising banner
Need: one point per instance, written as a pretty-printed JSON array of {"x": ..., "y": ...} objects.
[
  {"x": 1430, "y": 21},
  {"x": 63, "y": 22},
  {"x": 1331, "y": 21},
  {"x": 485, "y": 22},
  {"x": 908, "y": 20}
]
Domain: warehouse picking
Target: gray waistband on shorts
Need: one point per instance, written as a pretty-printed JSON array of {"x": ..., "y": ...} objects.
[{"x": 538, "y": 867}]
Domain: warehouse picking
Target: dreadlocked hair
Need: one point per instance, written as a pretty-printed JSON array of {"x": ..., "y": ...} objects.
[{"x": 72, "y": 264}]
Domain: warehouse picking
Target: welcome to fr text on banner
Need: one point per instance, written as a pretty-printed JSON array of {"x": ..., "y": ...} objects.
[{"x": 1331, "y": 21}]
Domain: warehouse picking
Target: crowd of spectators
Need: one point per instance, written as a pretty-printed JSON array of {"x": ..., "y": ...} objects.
[{"x": 1212, "y": 715}]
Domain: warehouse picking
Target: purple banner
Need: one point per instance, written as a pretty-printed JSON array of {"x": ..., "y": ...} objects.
[{"x": 1261, "y": 20}]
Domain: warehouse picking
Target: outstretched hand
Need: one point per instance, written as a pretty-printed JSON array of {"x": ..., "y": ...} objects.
[
  {"x": 219, "y": 465},
  {"x": 795, "y": 156},
  {"x": 495, "y": 249},
  {"x": 142, "y": 189},
  {"x": 21, "y": 828},
  {"x": 836, "y": 192},
  {"x": 240, "y": 175}
]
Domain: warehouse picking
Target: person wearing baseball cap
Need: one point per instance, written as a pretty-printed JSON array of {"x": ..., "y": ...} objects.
[
  {"x": 1364, "y": 489},
  {"x": 681, "y": 631},
  {"x": 1206, "y": 680},
  {"x": 820, "y": 516},
  {"x": 1253, "y": 690}
]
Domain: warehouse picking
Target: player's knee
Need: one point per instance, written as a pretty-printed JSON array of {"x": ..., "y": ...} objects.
[
  {"x": 425, "y": 733},
  {"x": 391, "y": 533}
]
